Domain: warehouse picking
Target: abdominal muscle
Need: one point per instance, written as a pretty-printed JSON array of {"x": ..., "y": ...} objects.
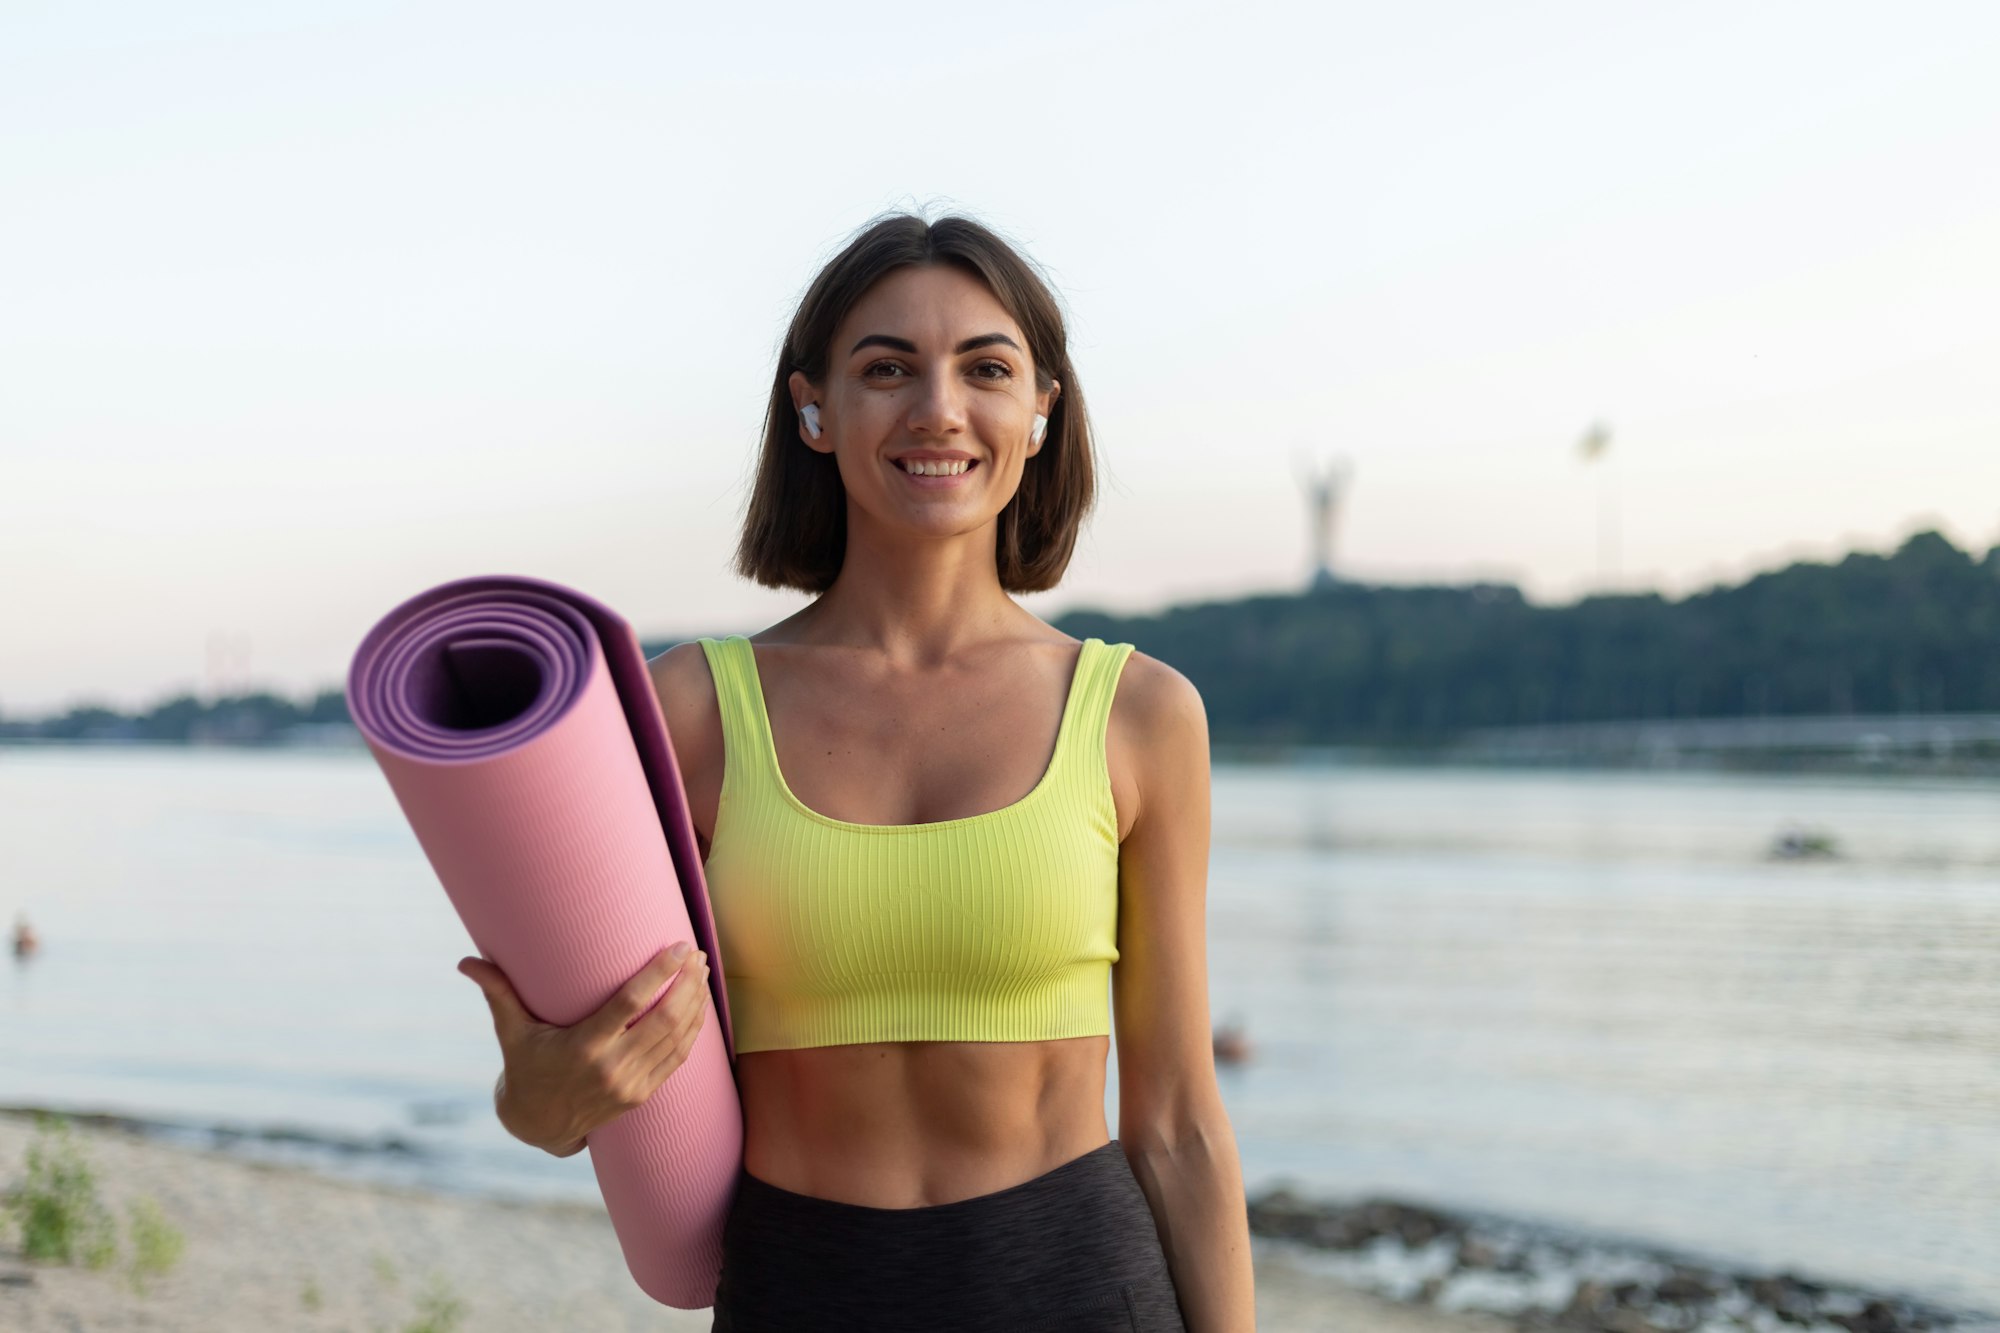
[{"x": 910, "y": 1124}]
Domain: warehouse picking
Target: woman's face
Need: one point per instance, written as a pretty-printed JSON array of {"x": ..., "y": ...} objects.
[{"x": 927, "y": 371}]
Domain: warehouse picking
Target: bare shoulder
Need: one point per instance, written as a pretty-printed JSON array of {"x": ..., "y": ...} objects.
[
  {"x": 682, "y": 680},
  {"x": 1152, "y": 695},
  {"x": 1156, "y": 739},
  {"x": 686, "y": 692}
]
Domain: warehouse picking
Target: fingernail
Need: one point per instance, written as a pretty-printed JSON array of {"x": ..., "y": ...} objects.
[{"x": 679, "y": 951}]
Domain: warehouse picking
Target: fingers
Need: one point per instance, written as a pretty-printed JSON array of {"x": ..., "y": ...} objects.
[
  {"x": 630, "y": 1000},
  {"x": 632, "y": 1068},
  {"x": 672, "y": 1052},
  {"x": 679, "y": 1014},
  {"x": 509, "y": 1013}
]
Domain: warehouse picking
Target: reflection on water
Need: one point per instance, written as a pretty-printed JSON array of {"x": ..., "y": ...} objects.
[
  {"x": 1587, "y": 998},
  {"x": 1596, "y": 998},
  {"x": 1947, "y": 826}
]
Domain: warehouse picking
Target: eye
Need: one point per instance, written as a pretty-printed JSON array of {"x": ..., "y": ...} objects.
[
  {"x": 876, "y": 369},
  {"x": 993, "y": 370}
]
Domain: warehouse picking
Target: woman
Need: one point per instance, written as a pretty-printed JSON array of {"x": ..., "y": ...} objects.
[{"x": 931, "y": 823}]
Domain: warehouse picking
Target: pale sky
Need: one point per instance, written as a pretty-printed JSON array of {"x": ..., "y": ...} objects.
[{"x": 306, "y": 307}]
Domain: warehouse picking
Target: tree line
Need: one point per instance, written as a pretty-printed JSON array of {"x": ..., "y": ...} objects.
[{"x": 1917, "y": 631}]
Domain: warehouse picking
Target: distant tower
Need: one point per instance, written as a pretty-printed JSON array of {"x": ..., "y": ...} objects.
[
  {"x": 1593, "y": 447},
  {"x": 1325, "y": 488}
]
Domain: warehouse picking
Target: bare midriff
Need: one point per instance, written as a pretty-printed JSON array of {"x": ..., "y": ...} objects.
[{"x": 915, "y": 1123}]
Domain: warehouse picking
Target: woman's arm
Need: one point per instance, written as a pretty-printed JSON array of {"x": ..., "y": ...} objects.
[{"x": 1171, "y": 1120}]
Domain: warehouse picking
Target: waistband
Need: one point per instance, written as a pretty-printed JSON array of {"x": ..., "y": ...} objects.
[{"x": 1099, "y": 1166}]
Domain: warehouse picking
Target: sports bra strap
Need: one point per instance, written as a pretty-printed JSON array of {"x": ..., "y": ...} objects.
[
  {"x": 1096, "y": 684},
  {"x": 746, "y": 732}
]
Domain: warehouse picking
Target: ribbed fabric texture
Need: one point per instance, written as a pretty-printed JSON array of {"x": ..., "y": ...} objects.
[{"x": 995, "y": 927}]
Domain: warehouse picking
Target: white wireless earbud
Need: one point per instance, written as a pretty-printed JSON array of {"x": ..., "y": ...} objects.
[
  {"x": 810, "y": 415},
  {"x": 1040, "y": 428}
]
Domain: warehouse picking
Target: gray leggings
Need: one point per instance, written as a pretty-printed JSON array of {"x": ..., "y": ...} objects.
[{"x": 1073, "y": 1250}]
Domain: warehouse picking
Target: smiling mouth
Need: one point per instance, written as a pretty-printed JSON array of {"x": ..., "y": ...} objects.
[{"x": 936, "y": 467}]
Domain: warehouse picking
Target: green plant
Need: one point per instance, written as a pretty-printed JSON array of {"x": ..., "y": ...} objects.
[
  {"x": 310, "y": 1296},
  {"x": 156, "y": 1243},
  {"x": 439, "y": 1310},
  {"x": 385, "y": 1271},
  {"x": 60, "y": 1215}
]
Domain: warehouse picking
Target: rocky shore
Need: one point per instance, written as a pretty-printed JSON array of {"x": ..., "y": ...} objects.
[{"x": 1542, "y": 1279}]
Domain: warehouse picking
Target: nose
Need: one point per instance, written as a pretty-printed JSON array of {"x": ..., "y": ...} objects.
[{"x": 938, "y": 407}]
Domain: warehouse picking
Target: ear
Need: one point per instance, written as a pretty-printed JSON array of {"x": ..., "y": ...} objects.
[
  {"x": 1045, "y": 403},
  {"x": 803, "y": 392}
]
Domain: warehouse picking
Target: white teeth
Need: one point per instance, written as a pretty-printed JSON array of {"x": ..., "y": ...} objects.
[{"x": 935, "y": 468}]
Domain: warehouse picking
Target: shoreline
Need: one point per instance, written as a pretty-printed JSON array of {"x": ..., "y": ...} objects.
[
  {"x": 1377, "y": 1263},
  {"x": 1544, "y": 1276},
  {"x": 283, "y": 1246}
]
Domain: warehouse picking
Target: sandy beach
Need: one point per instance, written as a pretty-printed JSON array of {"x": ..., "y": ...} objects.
[{"x": 279, "y": 1247}]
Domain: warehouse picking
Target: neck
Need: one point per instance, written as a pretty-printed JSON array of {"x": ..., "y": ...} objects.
[{"x": 915, "y": 598}]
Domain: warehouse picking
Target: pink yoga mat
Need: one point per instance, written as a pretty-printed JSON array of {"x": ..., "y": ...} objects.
[{"x": 518, "y": 728}]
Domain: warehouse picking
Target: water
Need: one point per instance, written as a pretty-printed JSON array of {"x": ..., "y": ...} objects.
[{"x": 1585, "y": 998}]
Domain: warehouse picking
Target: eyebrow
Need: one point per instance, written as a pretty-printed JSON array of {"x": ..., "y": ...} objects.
[{"x": 905, "y": 345}]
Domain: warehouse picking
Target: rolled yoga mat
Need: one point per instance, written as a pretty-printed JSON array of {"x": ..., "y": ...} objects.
[{"x": 517, "y": 725}]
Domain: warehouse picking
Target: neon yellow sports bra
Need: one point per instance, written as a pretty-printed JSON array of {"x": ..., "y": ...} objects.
[{"x": 995, "y": 927}]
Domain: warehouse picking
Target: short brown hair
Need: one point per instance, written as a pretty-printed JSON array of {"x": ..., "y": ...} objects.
[{"x": 795, "y": 531}]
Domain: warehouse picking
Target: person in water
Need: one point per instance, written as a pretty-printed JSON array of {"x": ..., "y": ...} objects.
[{"x": 948, "y": 848}]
